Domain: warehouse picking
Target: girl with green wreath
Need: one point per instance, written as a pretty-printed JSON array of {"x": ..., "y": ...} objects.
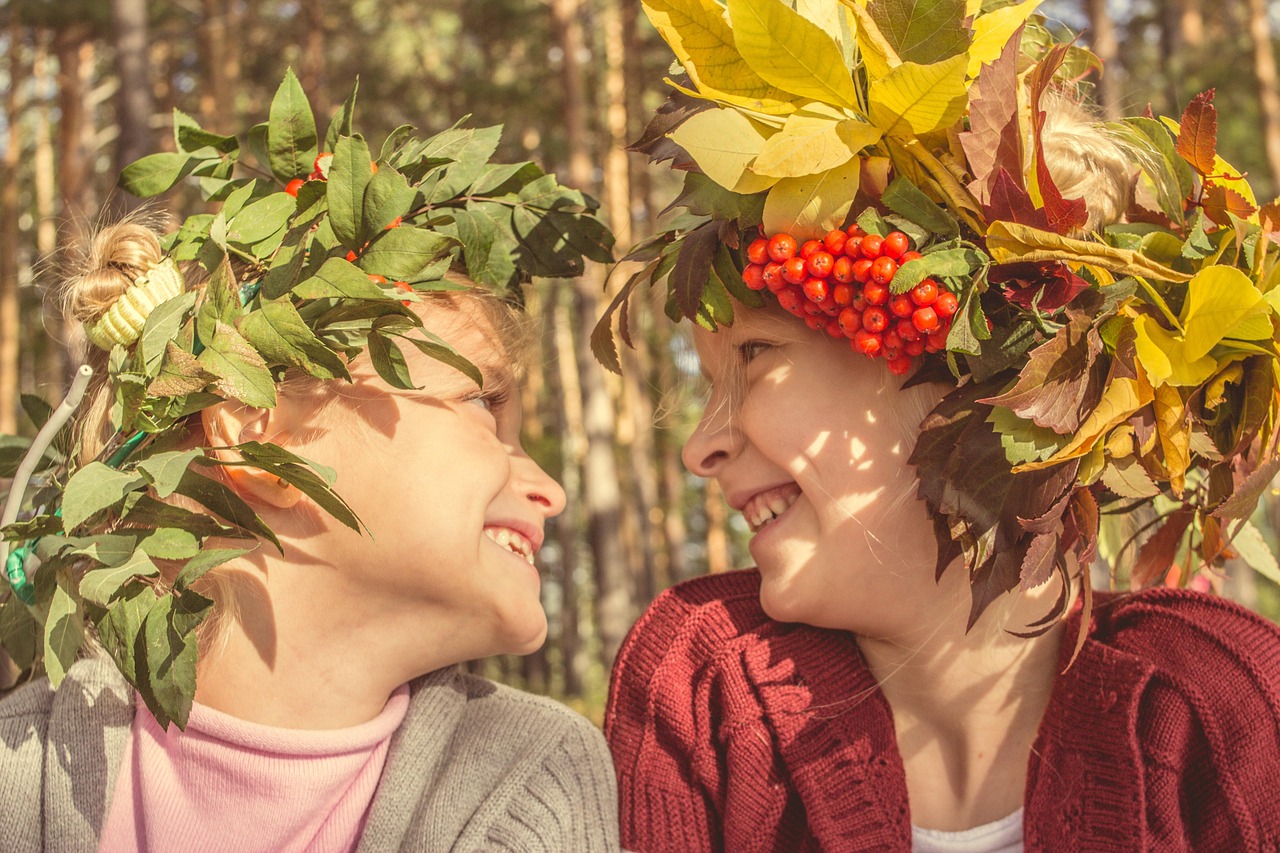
[
  {"x": 955, "y": 329},
  {"x": 228, "y": 644}
]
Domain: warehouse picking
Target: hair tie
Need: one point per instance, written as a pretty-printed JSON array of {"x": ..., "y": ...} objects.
[{"x": 124, "y": 320}]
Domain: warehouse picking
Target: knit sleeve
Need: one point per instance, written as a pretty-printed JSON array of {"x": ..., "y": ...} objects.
[
  {"x": 1209, "y": 721},
  {"x": 569, "y": 803},
  {"x": 666, "y": 721}
]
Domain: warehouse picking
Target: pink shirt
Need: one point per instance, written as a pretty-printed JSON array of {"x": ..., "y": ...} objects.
[{"x": 227, "y": 784}]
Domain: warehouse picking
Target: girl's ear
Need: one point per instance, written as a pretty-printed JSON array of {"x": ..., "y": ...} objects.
[{"x": 230, "y": 423}]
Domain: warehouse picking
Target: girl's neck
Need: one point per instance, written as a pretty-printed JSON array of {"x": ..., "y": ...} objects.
[{"x": 967, "y": 705}]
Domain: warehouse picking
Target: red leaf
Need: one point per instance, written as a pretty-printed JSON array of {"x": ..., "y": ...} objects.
[
  {"x": 1010, "y": 202},
  {"x": 1037, "y": 566},
  {"x": 1218, "y": 201},
  {"x": 1063, "y": 215},
  {"x": 1158, "y": 552},
  {"x": 693, "y": 268},
  {"x": 993, "y": 142},
  {"x": 1269, "y": 214},
  {"x": 1198, "y": 133}
]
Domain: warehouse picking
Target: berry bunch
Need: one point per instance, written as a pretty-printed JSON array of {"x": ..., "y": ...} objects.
[{"x": 840, "y": 285}]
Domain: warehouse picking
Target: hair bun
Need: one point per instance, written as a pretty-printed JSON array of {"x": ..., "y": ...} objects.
[{"x": 117, "y": 256}]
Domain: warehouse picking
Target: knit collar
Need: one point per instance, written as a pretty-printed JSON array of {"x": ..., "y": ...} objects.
[{"x": 833, "y": 722}]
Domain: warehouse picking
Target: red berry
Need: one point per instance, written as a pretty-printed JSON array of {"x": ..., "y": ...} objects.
[
  {"x": 820, "y": 264},
  {"x": 889, "y": 352},
  {"x": 907, "y": 330},
  {"x": 373, "y": 167},
  {"x": 395, "y": 223},
  {"x": 850, "y": 321},
  {"x": 782, "y": 247},
  {"x": 915, "y": 347},
  {"x": 853, "y": 247},
  {"x": 758, "y": 251},
  {"x": 925, "y": 293},
  {"x": 812, "y": 309},
  {"x": 909, "y": 256},
  {"x": 842, "y": 293},
  {"x": 809, "y": 247},
  {"x": 316, "y": 175},
  {"x": 293, "y": 186},
  {"x": 875, "y": 319},
  {"x": 815, "y": 290},
  {"x": 829, "y": 306},
  {"x": 351, "y": 256},
  {"x": 407, "y": 288},
  {"x": 883, "y": 270},
  {"x": 925, "y": 319},
  {"x": 842, "y": 270},
  {"x": 902, "y": 306},
  {"x": 866, "y": 343},
  {"x": 871, "y": 247},
  {"x": 895, "y": 244},
  {"x": 899, "y": 365},
  {"x": 947, "y": 304},
  {"x": 875, "y": 293},
  {"x": 862, "y": 270},
  {"x": 795, "y": 271},
  {"x": 834, "y": 241},
  {"x": 323, "y": 159},
  {"x": 753, "y": 276},
  {"x": 815, "y": 323},
  {"x": 938, "y": 340},
  {"x": 891, "y": 340},
  {"x": 790, "y": 298},
  {"x": 773, "y": 277},
  {"x": 859, "y": 302},
  {"x": 833, "y": 328},
  {"x": 855, "y": 230},
  {"x": 377, "y": 279}
]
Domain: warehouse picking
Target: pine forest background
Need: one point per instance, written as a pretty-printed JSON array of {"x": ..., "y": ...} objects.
[{"x": 90, "y": 85}]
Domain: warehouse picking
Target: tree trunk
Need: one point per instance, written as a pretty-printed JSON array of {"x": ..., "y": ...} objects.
[
  {"x": 718, "y": 559},
  {"x": 1102, "y": 41},
  {"x": 49, "y": 347},
  {"x": 133, "y": 98},
  {"x": 74, "y": 50},
  {"x": 10, "y": 330},
  {"x": 313, "y": 72},
  {"x": 1264, "y": 69},
  {"x": 568, "y": 526}
]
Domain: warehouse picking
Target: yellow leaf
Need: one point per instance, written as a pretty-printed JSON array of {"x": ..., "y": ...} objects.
[
  {"x": 1121, "y": 399},
  {"x": 722, "y": 142},
  {"x": 1163, "y": 355},
  {"x": 878, "y": 56},
  {"x": 992, "y": 31},
  {"x": 759, "y": 110},
  {"x": 813, "y": 205},
  {"x": 791, "y": 52},
  {"x": 809, "y": 144},
  {"x": 1175, "y": 434},
  {"x": 700, "y": 38},
  {"x": 1220, "y": 302},
  {"x": 825, "y": 15},
  {"x": 1009, "y": 241},
  {"x": 912, "y": 100}
]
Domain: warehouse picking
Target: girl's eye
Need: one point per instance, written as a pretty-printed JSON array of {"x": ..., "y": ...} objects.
[
  {"x": 748, "y": 350},
  {"x": 491, "y": 402}
]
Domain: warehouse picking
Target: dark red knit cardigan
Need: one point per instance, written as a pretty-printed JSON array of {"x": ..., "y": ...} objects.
[{"x": 731, "y": 731}]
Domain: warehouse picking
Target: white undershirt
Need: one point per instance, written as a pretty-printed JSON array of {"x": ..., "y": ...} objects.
[{"x": 1001, "y": 836}]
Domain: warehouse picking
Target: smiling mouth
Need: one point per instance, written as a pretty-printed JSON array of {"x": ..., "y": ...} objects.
[
  {"x": 514, "y": 542},
  {"x": 765, "y": 507}
]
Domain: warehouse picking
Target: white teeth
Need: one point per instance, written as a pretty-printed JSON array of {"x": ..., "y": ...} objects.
[
  {"x": 778, "y": 506},
  {"x": 514, "y": 542},
  {"x": 766, "y": 506}
]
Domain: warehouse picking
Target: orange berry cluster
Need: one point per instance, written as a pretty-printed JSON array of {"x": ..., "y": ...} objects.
[{"x": 840, "y": 285}]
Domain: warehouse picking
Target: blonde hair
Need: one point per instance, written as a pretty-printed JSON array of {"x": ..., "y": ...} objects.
[{"x": 1086, "y": 160}]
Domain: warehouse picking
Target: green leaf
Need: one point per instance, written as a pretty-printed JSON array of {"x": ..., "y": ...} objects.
[
  {"x": 1022, "y": 440},
  {"x": 704, "y": 197},
  {"x": 470, "y": 150},
  {"x": 948, "y": 263},
  {"x": 401, "y": 253},
  {"x": 162, "y": 326},
  {"x": 279, "y": 333},
  {"x": 348, "y": 176},
  {"x": 297, "y": 472},
  {"x": 170, "y": 543},
  {"x": 119, "y": 627},
  {"x": 94, "y": 488},
  {"x": 339, "y": 279},
  {"x": 164, "y": 470},
  {"x": 437, "y": 348},
  {"x": 21, "y": 636},
  {"x": 37, "y": 409},
  {"x": 101, "y": 585},
  {"x": 180, "y": 374},
  {"x": 387, "y": 196},
  {"x": 905, "y": 198},
  {"x": 791, "y": 52},
  {"x": 108, "y": 549},
  {"x": 155, "y": 173},
  {"x": 202, "y": 563},
  {"x": 168, "y": 680},
  {"x": 389, "y": 361},
  {"x": 969, "y": 329},
  {"x": 340, "y": 125},
  {"x": 287, "y": 262},
  {"x": 291, "y": 130},
  {"x": 489, "y": 248},
  {"x": 221, "y": 298},
  {"x": 731, "y": 277},
  {"x": 922, "y": 31},
  {"x": 224, "y": 503},
  {"x": 189, "y": 137},
  {"x": 1254, "y": 550},
  {"x": 262, "y": 219},
  {"x": 241, "y": 373},
  {"x": 63, "y": 630}
]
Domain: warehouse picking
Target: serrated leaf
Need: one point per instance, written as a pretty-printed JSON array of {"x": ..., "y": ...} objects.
[
  {"x": 1198, "y": 133},
  {"x": 1121, "y": 399},
  {"x": 402, "y": 253},
  {"x": 922, "y": 31},
  {"x": 1060, "y": 383},
  {"x": 291, "y": 130},
  {"x": 1021, "y": 439},
  {"x": 489, "y": 249},
  {"x": 913, "y": 100},
  {"x": 224, "y": 503},
  {"x": 180, "y": 374},
  {"x": 262, "y": 219},
  {"x": 155, "y": 173},
  {"x": 1252, "y": 547},
  {"x": 241, "y": 372},
  {"x": 92, "y": 489},
  {"x": 162, "y": 326},
  {"x": 101, "y": 585},
  {"x": 221, "y": 297},
  {"x": 1159, "y": 551},
  {"x": 164, "y": 470},
  {"x": 389, "y": 362},
  {"x": 119, "y": 627},
  {"x": 723, "y": 142},
  {"x": 948, "y": 263},
  {"x": 811, "y": 206},
  {"x": 1128, "y": 479},
  {"x": 1244, "y": 499},
  {"x": 338, "y": 279},
  {"x": 168, "y": 676},
  {"x": 906, "y": 199},
  {"x": 387, "y": 196},
  {"x": 791, "y": 52},
  {"x": 63, "y": 630},
  {"x": 340, "y": 124},
  {"x": 208, "y": 559},
  {"x": 809, "y": 143},
  {"x": 993, "y": 139},
  {"x": 1037, "y": 565},
  {"x": 278, "y": 332},
  {"x": 693, "y": 268}
]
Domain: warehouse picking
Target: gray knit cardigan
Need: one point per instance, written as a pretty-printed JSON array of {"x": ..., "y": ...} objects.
[{"x": 474, "y": 766}]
